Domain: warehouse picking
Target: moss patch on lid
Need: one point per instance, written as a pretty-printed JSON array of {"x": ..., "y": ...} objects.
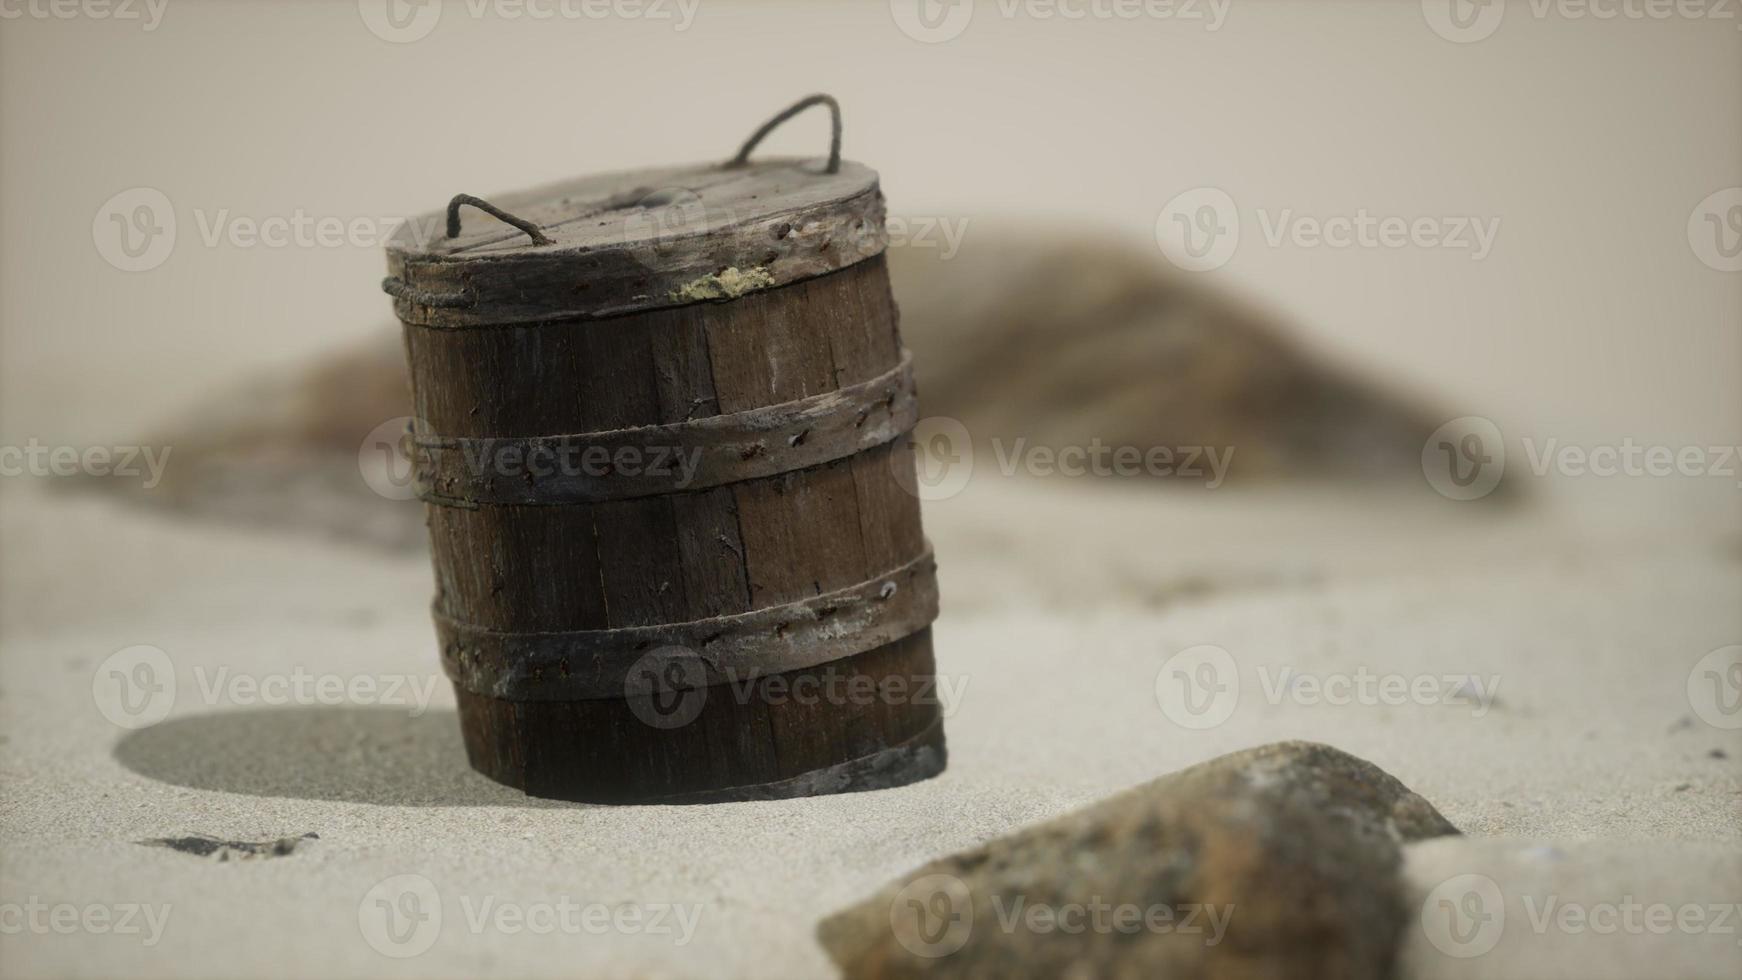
[{"x": 729, "y": 283}]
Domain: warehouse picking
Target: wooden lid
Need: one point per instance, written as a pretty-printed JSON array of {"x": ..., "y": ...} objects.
[{"x": 617, "y": 243}]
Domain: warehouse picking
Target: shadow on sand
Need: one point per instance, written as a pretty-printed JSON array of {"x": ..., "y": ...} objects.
[{"x": 374, "y": 755}]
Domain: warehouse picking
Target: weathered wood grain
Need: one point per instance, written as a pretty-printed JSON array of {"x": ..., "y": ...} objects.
[
  {"x": 638, "y": 240},
  {"x": 662, "y": 459},
  {"x": 808, "y": 569}
]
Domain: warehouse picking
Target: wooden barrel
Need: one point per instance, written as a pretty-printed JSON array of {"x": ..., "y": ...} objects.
[{"x": 660, "y": 429}]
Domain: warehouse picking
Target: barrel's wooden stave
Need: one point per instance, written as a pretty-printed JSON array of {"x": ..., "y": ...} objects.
[
  {"x": 682, "y": 556},
  {"x": 671, "y": 558},
  {"x": 744, "y": 743}
]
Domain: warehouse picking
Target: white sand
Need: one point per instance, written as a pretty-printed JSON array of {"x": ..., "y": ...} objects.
[
  {"x": 1591, "y": 911},
  {"x": 1061, "y": 604}
]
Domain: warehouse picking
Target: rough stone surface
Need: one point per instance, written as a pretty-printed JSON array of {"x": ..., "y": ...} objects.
[{"x": 1278, "y": 861}]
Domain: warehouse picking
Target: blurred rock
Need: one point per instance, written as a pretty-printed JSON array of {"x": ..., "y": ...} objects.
[
  {"x": 288, "y": 451},
  {"x": 1065, "y": 341},
  {"x": 1280, "y": 861},
  {"x": 1056, "y": 341}
]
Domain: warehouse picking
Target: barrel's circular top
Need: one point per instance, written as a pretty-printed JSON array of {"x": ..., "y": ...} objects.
[{"x": 616, "y": 243}]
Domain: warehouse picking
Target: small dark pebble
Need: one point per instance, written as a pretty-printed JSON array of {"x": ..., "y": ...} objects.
[{"x": 200, "y": 845}]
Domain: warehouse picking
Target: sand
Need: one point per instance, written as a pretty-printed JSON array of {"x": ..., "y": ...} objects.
[{"x": 1062, "y": 603}]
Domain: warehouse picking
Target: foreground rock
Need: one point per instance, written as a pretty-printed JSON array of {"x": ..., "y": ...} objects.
[
  {"x": 1594, "y": 910},
  {"x": 1279, "y": 861}
]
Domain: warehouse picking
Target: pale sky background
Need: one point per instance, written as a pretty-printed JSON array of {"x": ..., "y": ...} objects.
[{"x": 1590, "y": 141}]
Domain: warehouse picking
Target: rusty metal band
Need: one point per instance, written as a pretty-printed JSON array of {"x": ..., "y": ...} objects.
[
  {"x": 654, "y": 660},
  {"x": 918, "y": 757},
  {"x": 660, "y": 459}
]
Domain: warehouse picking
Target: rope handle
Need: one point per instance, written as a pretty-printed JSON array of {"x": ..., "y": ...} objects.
[
  {"x": 801, "y": 105},
  {"x": 463, "y": 200}
]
